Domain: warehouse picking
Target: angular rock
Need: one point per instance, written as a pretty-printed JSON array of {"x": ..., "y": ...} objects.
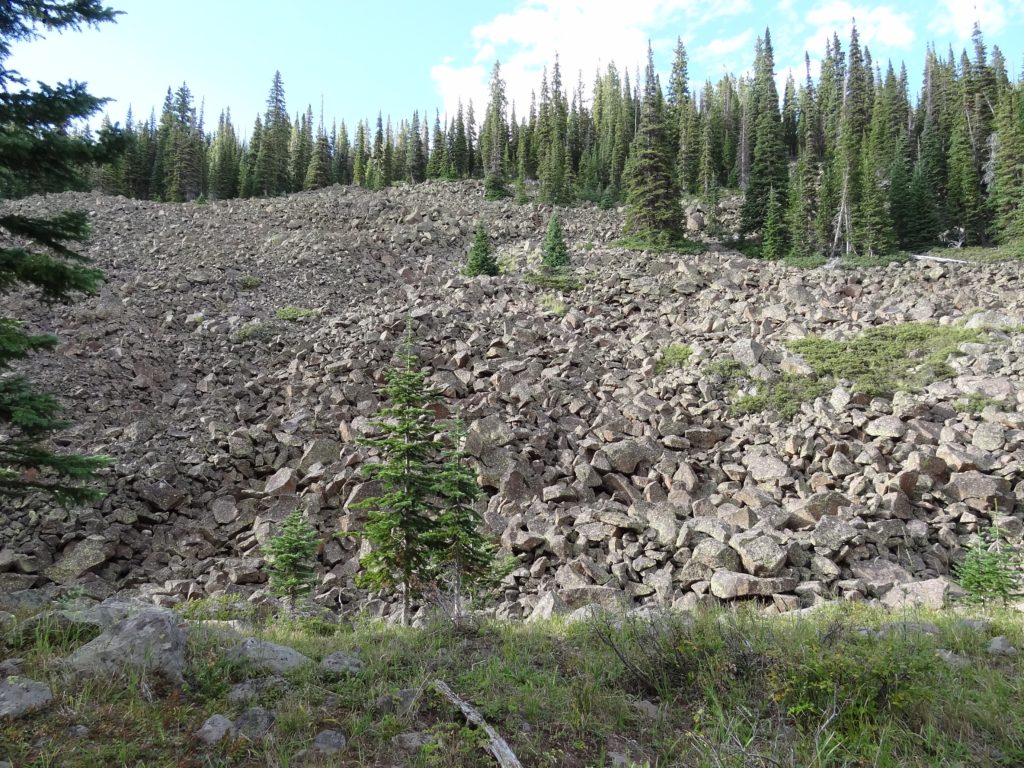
[
  {"x": 727, "y": 585},
  {"x": 886, "y": 426},
  {"x": 83, "y": 556},
  {"x": 930, "y": 593},
  {"x": 20, "y": 696},
  {"x": 832, "y": 532},
  {"x": 761, "y": 556},
  {"x": 216, "y": 729},
  {"x": 340, "y": 663},
  {"x": 150, "y": 642},
  {"x": 255, "y": 723},
  {"x": 267, "y": 656}
]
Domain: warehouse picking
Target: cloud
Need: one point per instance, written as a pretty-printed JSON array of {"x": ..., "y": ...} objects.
[
  {"x": 958, "y": 16},
  {"x": 723, "y": 46},
  {"x": 878, "y": 26},
  {"x": 584, "y": 33}
]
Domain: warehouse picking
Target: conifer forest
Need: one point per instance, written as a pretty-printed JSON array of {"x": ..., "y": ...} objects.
[{"x": 848, "y": 162}]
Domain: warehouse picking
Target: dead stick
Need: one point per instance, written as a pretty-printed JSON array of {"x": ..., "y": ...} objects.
[{"x": 499, "y": 747}]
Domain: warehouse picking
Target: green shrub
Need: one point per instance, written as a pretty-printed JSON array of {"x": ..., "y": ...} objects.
[
  {"x": 674, "y": 356},
  {"x": 291, "y": 314},
  {"x": 554, "y": 253},
  {"x": 990, "y": 569},
  {"x": 248, "y": 282},
  {"x": 681, "y": 246},
  {"x": 255, "y": 331},
  {"x": 481, "y": 261},
  {"x": 554, "y": 305},
  {"x": 561, "y": 280},
  {"x": 783, "y": 396},
  {"x": 291, "y": 557}
]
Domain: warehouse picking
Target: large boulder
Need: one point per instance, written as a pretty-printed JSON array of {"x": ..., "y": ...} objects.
[
  {"x": 20, "y": 696},
  {"x": 267, "y": 656},
  {"x": 151, "y": 642}
]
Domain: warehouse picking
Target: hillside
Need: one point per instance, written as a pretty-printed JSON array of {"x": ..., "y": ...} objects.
[{"x": 640, "y": 439}]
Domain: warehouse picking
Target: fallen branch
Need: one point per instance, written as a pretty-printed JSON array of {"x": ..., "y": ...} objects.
[
  {"x": 943, "y": 259},
  {"x": 499, "y": 747}
]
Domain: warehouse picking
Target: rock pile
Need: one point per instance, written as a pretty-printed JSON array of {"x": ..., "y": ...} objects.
[{"x": 609, "y": 478}]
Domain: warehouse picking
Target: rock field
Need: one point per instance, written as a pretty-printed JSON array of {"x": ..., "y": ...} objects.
[{"x": 609, "y": 478}]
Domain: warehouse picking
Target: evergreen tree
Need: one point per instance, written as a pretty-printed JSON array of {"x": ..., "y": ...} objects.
[
  {"x": 415, "y": 159},
  {"x": 481, "y": 261},
  {"x": 271, "y": 173},
  {"x": 768, "y": 169},
  {"x": 247, "y": 181},
  {"x": 466, "y": 556},
  {"x": 291, "y": 557},
  {"x": 1008, "y": 173},
  {"x": 318, "y": 170},
  {"x": 554, "y": 253},
  {"x": 225, "y": 160},
  {"x": 37, "y": 152},
  {"x": 653, "y": 212},
  {"x": 773, "y": 241},
  {"x": 494, "y": 138}
]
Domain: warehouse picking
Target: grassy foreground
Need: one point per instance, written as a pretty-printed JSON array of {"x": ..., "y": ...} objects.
[{"x": 847, "y": 686}]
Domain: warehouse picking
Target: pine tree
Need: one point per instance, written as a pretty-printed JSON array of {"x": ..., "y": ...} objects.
[
  {"x": 318, "y": 170},
  {"x": 554, "y": 253},
  {"x": 768, "y": 169},
  {"x": 481, "y": 261},
  {"x": 1008, "y": 174},
  {"x": 653, "y": 212},
  {"x": 415, "y": 159},
  {"x": 494, "y": 138},
  {"x": 291, "y": 557},
  {"x": 271, "y": 173},
  {"x": 773, "y": 241},
  {"x": 225, "y": 160},
  {"x": 36, "y": 152},
  {"x": 466, "y": 556}
]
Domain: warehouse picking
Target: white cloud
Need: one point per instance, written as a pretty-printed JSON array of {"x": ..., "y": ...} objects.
[
  {"x": 723, "y": 46},
  {"x": 958, "y": 16},
  {"x": 584, "y": 33},
  {"x": 878, "y": 25}
]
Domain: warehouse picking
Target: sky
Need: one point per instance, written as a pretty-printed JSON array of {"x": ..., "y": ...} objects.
[{"x": 355, "y": 58}]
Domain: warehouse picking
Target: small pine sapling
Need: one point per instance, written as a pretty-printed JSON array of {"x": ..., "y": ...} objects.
[
  {"x": 481, "y": 260},
  {"x": 291, "y": 556},
  {"x": 555, "y": 253},
  {"x": 990, "y": 570},
  {"x": 400, "y": 521},
  {"x": 465, "y": 555}
]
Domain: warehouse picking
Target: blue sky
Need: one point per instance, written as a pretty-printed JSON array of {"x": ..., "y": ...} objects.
[{"x": 398, "y": 56}]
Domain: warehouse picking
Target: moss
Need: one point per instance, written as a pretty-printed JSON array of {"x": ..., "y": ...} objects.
[
  {"x": 291, "y": 314},
  {"x": 783, "y": 396}
]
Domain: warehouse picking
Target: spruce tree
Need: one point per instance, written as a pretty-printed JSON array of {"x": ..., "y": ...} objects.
[
  {"x": 291, "y": 557},
  {"x": 494, "y": 138},
  {"x": 37, "y": 152},
  {"x": 653, "y": 211},
  {"x": 1008, "y": 177},
  {"x": 773, "y": 240},
  {"x": 481, "y": 261},
  {"x": 466, "y": 555},
  {"x": 554, "y": 253}
]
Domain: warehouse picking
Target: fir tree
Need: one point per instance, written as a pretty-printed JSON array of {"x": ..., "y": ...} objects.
[
  {"x": 554, "y": 253},
  {"x": 481, "y": 261},
  {"x": 318, "y": 170},
  {"x": 773, "y": 241},
  {"x": 653, "y": 211},
  {"x": 494, "y": 137},
  {"x": 1008, "y": 174},
  {"x": 415, "y": 159},
  {"x": 37, "y": 152},
  {"x": 271, "y": 173},
  {"x": 291, "y": 557}
]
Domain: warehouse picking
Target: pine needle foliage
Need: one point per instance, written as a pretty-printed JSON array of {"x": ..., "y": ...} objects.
[
  {"x": 555, "y": 253},
  {"x": 422, "y": 523},
  {"x": 481, "y": 260},
  {"x": 989, "y": 571},
  {"x": 291, "y": 556},
  {"x": 37, "y": 153}
]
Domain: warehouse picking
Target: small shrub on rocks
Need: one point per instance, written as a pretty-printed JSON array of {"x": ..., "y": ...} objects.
[
  {"x": 292, "y": 314},
  {"x": 292, "y": 557},
  {"x": 990, "y": 569}
]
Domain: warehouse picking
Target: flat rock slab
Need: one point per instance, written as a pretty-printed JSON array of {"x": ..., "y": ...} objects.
[
  {"x": 20, "y": 696},
  {"x": 269, "y": 657},
  {"x": 151, "y": 641},
  {"x": 215, "y": 730},
  {"x": 340, "y": 663}
]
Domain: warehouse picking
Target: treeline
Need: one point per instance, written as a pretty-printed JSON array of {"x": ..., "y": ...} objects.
[{"x": 847, "y": 162}]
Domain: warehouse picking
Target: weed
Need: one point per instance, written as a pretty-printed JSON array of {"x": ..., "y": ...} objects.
[
  {"x": 249, "y": 282},
  {"x": 292, "y": 314},
  {"x": 553, "y": 305},
  {"x": 674, "y": 356}
]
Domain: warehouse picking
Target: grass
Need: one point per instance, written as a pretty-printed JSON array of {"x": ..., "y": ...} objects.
[
  {"x": 553, "y": 305},
  {"x": 249, "y": 282},
  {"x": 783, "y": 396},
  {"x": 255, "y": 331},
  {"x": 724, "y": 688},
  {"x": 292, "y": 314},
  {"x": 674, "y": 356},
  {"x": 974, "y": 402},
  {"x": 983, "y": 254},
  {"x": 563, "y": 281}
]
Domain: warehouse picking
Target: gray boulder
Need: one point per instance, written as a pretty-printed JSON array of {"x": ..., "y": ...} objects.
[
  {"x": 268, "y": 657},
  {"x": 151, "y": 642},
  {"x": 20, "y": 696}
]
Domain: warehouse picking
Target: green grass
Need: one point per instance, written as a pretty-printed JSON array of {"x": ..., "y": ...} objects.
[
  {"x": 563, "y": 281},
  {"x": 249, "y": 282},
  {"x": 255, "y": 331},
  {"x": 974, "y": 402},
  {"x": 291, "y": 314},
  {"x": 553, "y": 305},
  {"x": 728, "y": 687},
  {"x": 878, "y": 363},
  {"x": 682, "y": 246},
  {"x": 674, "y": 356},
  {"x": 805, "y": 262},
  {"x": 983, "y": 254}
]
